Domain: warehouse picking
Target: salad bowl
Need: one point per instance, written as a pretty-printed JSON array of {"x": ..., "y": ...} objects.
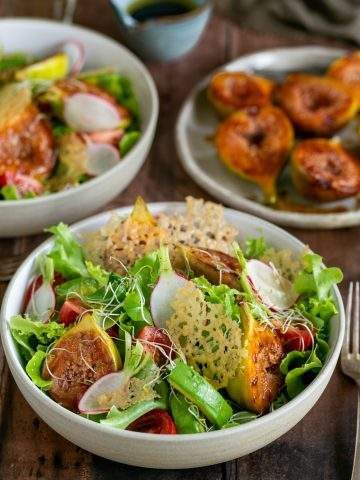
[
  {"x": 168, "y": 451},
  {"x": 39, "y": 37}
]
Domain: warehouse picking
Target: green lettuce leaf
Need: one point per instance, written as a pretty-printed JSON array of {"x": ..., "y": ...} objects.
[
  {"x": 34, "y": 368},
  {"x": 255, "y": 247},
  {"x": 31, "y": 336},
  {"x": 221, "y": 294},
  {"x": 128, "y": 141},
  {"x": 97, "y": 273},
  {"x": 67, "y": 253},
  {"x": 82, "y": 287},
  {"x": 299, "y": 368}
]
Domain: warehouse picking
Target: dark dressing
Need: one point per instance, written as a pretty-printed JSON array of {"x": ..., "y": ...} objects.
[{"x": 145, "y": 10}]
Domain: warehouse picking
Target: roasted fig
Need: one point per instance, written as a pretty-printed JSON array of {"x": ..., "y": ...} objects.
[
  {"x": 26, "y": 141},
  {"x": 83, "y": 355},
  {"x": 324, "y": 170},
  {"x": 257, "y": 380},
  {"x": 254, "y": 143},
  {"x": 217, "y": 267},
  {"x": 231, "y": 91},
  {"x": 347, "y": 70},
  {"x": 319, "y": 105}
]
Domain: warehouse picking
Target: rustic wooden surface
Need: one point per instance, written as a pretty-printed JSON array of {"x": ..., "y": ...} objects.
[{"x": 320, "y": 446}]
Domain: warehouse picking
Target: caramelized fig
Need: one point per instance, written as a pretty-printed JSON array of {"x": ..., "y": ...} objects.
[
  {"x": 217, "y": 267},
  {"x": 80, "y": 357},
  {"x": 26, "y": 141},
  {"x": 347, "y": 70},
  {"x": 257, "y": 380},
  {"x": 324, "y": 170},
  {"x": 254, "y": 143},
  {"x": 231, "y": 91},
  {"x": 319, "y": 105}
]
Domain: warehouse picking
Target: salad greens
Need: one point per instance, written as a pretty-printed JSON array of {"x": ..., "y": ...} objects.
[
  {"x": 75, "y": 147},
  {"x": 141, "y": 377}
]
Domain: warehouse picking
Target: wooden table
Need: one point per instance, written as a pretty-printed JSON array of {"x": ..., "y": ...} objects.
[{"x": 320, "y": 446}]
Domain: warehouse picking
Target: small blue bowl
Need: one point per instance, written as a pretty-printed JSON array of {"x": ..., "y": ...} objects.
[{"x": 163, "y": 38}]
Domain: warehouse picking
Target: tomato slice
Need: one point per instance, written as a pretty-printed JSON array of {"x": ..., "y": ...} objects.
[
  {"x": 154, "y": 340},
  {"x": 156, "y": 421},
  {"x": 297, "y": 338},
  {"x": 70, "y": 311},
  {"x": 24, "y": 183}
]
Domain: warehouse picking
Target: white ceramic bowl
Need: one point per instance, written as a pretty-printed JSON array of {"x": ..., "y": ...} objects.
[
  {"x": 24, "y": 217},
  {"x": 168, "y": 451}
]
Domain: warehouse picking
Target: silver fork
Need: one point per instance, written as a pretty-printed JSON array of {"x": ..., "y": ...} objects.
[
  {"x": 350, "y": 360},
  {"x": 9, "y": 265}
]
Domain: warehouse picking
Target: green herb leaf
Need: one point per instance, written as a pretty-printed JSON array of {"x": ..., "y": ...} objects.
[
  {"x": 10, "y": 192},
  {"x": 67, "y": 253},
  {"x": 97, "y": 273},
  {"x": 34, "y": 368},
  {"x": 128, "y": 141},
  {"x": 255, "y": 247}
]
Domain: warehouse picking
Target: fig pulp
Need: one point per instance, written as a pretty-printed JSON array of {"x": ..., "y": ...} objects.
[
  {"x": 80, "y": 357},
  {"x": 231, "y": 91},
  {"x": 257, "y": 380},
  {"x": 324, "y": 170},
  {"x": 318, "y": 105},
  {"x": 254, "y": 144}
]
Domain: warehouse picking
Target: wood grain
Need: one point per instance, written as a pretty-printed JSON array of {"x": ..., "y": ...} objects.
[{"x": 320, "y": 446}]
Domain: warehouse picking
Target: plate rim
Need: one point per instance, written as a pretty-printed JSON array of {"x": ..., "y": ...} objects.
[{"x": 324, "y": 220}]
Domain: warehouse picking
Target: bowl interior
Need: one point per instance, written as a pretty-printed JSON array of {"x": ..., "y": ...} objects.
[{"x": 247, "y": 225}]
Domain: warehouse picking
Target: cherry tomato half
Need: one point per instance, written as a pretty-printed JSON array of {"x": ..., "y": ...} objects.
[
  {"x": 70, "y": 311},
  {"x": 156, "y": 421},
  {"x": 154, "y": 340},
  {"x": 297, "y": 338}
]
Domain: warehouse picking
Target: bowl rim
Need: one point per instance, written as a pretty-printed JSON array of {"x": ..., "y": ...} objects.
[
  {"x": 146, "y": 134},
  {"x": 9, "y": 347},
  {"x": 221, "y": 192}
]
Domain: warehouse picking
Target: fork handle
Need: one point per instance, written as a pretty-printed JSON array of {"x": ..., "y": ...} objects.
[{"x": 356, "y": 465}]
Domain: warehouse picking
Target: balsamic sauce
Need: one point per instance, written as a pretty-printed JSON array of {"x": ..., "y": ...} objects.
[{"x": 143, "y": 11}]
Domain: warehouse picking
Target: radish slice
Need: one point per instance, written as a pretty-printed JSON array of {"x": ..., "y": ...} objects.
[
  {"x": 101, "y": 157},
  {"x": 42, "y": 303},
  {"x": 163, "y": 296},
  {"x": 85, "y": 112},
  {"x": 111, "y": 137},
  {"x": 75, "y": 52},
  {"x": 274, "y": 290},
  {"x": 89, "y": 402}
]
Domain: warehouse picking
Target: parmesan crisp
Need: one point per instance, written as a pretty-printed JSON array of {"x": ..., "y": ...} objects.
[
  {"x": 209, "y": 340},
  {"x": 122, "y": 241}
]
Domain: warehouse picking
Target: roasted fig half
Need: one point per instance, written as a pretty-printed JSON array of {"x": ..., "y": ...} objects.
[
  {"x": 347, "y": 70},
  {"x": 231, "y": 91},
  {"x": 257, "y": 380},
  {"x": 318, "y": 105},
  {"x": 80, "y": 357},
  {"x": 254, "y": 143},
  {"x": 217, "y": 267},
  {"x": 324, "y": 170}
]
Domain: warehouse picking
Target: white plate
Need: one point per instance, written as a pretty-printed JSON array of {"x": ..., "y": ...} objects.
[
  {"x": 197, "y": 123},
  {"x": 38, "y": 37},
  {"x": 168, "y": 451}
]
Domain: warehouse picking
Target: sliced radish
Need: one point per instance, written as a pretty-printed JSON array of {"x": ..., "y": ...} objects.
[
  {"x": 101, "y": 157},
  {"x": 42, "y": 303},
  {"x": 85, "y": 112},
  {"x": 89, "y": 402},
  {"x": 163, "y": 296},
  {"x": 111, "y": 137},
  {"x": 273, "y": 289},
  {"x": 75, "y": 52}
]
